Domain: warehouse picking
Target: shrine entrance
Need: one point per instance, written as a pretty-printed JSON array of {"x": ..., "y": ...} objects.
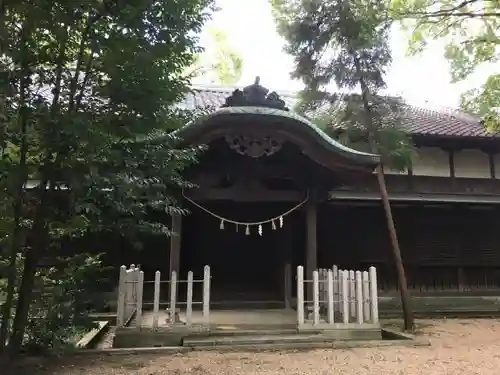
[
  {"x": 249, "y": 268},
  {"x": 254, "y": 210}
]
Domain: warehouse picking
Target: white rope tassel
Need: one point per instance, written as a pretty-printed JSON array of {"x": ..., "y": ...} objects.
[{"x": 259, "y": 224}]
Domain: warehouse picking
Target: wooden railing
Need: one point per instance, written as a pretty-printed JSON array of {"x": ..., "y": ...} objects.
[
  {"x": 131, "y": 304},
  {"x": 340, "y": 297},
  {"x": 129, "y": 294}
]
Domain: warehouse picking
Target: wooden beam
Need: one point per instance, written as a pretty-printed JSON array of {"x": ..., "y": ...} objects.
[{"x": 244, "y": 195}]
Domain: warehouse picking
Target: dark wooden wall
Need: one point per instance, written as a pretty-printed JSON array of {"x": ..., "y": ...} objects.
[{"x": 444, "y": 247}]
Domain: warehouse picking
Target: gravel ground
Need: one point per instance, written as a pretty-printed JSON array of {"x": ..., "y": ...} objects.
[{"x": 458, "y": 347}]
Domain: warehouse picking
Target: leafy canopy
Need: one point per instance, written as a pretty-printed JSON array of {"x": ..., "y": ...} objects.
[
  {"x": 346, "y": 43},
  {"x": 219, "y": 63},
  {"x": 471, "y": 31},
  {"x": 80, "y": 83}
]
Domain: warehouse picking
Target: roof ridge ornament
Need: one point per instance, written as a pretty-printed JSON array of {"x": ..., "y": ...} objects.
[{"x": 255, "y": 95}]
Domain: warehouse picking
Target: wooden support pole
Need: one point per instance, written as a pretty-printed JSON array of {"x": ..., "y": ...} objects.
[
  {"x": 288, "y": 285},
  {"x": 311, "y": 247},
  {"x": 403, "y": 287},
  {"x": 175, "y": 244}
]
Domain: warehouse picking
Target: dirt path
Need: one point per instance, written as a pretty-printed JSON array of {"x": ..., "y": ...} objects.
[{"x": 458, "y": 347}]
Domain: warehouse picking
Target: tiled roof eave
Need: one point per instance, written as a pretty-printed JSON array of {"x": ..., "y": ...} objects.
[{"x": 299, "y": 124}]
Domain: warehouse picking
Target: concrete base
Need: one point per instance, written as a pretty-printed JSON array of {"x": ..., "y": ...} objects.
[
  {"x": 145, "y": 337},
  {"x": 192, "y": 337},
  {"x": 239, "y": 327}
]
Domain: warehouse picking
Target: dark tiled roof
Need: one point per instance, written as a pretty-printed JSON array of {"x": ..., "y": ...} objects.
[{"x": 430, "y": 121}]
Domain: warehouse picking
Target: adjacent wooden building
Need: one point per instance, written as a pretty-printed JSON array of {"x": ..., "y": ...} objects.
[{"x": 275, "y": 192}]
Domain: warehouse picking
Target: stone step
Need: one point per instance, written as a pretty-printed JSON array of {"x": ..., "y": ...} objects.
[
  {"x": 267, "y": 338},
  {"x": 251, "y": 340},
  {"x": 254, "y": 332}
]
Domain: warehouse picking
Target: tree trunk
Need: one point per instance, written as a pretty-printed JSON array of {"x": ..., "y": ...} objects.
[
  {"x": 403, "y": 287},
  {"x": 23, "y": 303},
  {"x": 402, "y": 283},
  {"x": 18, "y": 204},
  {"x": 40, "y": 229}
]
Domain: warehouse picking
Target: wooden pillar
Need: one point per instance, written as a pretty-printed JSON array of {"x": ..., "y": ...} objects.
[
  {"x": 286, "y": 261},
  {"x": 311, "y": 245},
  {"x": 175, "y": 245}
]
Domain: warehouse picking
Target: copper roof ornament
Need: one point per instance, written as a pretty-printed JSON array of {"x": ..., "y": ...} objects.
[{"x": 255, "y": 95}]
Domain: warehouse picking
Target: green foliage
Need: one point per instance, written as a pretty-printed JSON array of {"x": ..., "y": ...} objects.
[
  {"x": 471, "y": 30},
  {"x": 485, "y": 101},
  {"x": 346, "y": 43},
  {"x": 64, "y": 297},
  {"x": 218, "y": 64},
  {"x": 85, "y": 81},
  {"x": 61, "y": 310}
]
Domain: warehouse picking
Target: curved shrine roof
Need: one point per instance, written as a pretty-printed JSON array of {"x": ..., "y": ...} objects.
[{"x": 255, "y": 101}]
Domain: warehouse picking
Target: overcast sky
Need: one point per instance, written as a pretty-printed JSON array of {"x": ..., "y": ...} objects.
[{"x": 251, "y": 32}]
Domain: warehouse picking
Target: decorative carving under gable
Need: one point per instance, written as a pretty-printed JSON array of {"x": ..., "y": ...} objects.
[
  {"x": 255, "y": 95},
  {"x": 255, "y": 147}
]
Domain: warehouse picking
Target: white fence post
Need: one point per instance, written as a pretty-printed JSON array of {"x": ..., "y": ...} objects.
[
  {"x": 156, "y": 302},
  {"x": 366, "y": 296},
  {"x": 359, "y": 297},
  {"x": 345, "y": 294},
  {"x": 336, "y": 284},
  {"x": 316, "y": 296},
  {"x": 373, "y": 294},
  {"x": 321, "y": 288},
  {"x": 140, "y": 289},
  {"x": 129, "y": 290},
  {"x": 120, "y": 308},
  {"x": 325, "y": 288},
  {"x": 173, "y": 296},
  {"x": 206, "y": 294},
  {"x": 300, "y": 295},
  {"x": 329, "y": 292},
  {"x": 135, "y": 277},
  {"x": 352, "y": 294},
  {"x": 189, "y": 299}
]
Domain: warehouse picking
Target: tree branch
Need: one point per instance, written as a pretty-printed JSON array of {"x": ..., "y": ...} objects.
[{"x": 455, "y": 11}]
